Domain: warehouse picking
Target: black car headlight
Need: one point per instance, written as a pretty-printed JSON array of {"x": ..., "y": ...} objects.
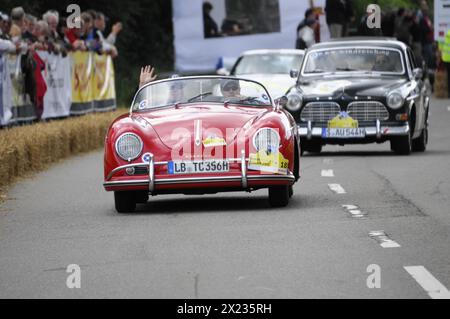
[
  {"x": 395, "y": 100},
  {"x": 267, "y": 139},
  {"x": 294, "y": 102},
  {"x": 129, "y": 146}
]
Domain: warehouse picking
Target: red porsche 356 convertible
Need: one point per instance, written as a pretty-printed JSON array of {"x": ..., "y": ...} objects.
[{"x": 201, "y": 135}]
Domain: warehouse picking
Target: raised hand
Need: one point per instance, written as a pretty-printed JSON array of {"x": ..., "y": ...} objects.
[{"x": 147, "y": 75}]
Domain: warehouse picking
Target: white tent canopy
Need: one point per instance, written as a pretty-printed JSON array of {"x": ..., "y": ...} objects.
[{"x": 194, "y": 52}]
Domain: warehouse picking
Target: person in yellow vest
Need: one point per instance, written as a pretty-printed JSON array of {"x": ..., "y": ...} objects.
[{"x": 445, "y": 50}]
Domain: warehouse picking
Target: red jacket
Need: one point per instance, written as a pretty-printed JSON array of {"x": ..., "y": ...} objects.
[{"x": 41, "y": 86}]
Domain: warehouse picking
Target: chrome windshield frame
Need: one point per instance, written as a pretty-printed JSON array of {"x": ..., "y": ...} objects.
[
  {"x": 205, "y": 77},
  {"x": 404, "y": 72}
]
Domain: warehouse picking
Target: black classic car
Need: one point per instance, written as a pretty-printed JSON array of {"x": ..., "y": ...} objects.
[{"x": 356, "y": 90}]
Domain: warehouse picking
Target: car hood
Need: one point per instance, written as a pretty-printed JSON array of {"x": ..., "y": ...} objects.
[
  {"x": 213, "y": 120},
  {"x": 350, "y": 86},
  {"x": 276, "y": 84}
]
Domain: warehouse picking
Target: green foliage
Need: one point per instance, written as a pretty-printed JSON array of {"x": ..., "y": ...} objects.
[{"x": 146, "y": 38}]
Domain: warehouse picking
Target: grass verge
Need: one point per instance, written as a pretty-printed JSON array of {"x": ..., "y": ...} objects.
[{"x": 29, "y": 149}]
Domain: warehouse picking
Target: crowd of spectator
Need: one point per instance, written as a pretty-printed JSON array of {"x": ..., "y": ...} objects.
[{"x": 21, "y": 32}]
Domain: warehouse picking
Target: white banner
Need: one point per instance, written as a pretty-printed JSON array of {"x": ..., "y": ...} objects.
[
  {"x": 58, "y": 77},
  {"x": 441, "y": 19},
  {"x": 5, "y": 92},
  {"x": 255, "y": 24}
]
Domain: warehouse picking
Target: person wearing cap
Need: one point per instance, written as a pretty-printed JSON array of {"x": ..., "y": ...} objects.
[{"x": 230, "y": 88}]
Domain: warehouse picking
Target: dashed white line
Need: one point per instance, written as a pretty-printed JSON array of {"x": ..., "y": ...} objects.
[
  {"x": 354, "y": 211},
  {"x": 327, "y": 173},
  {"x": 383, "y": 239},
  {"x": 338, "y": 189},
  {"x": 429, "y": 283}
]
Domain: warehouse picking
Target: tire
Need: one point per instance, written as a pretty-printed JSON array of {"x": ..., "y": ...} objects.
[
  {"x": 315, "y": 148},
  {"x": 141, "y": 197},
  {"x": 279, "y": 196},
  {"x": 125, "y": 202},
  {"x": 310, "y": 146},
  {"x": 420, "y": 144},
  {"x": 401, "y": 145},
  {"x": 291, "y": 191}
]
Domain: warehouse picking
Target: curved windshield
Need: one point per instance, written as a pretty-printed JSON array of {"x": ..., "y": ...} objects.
[
  {"x": 197, "y": 90},
  {"x": 268, "y": 64},
  {"x": 382, "y": 60}
]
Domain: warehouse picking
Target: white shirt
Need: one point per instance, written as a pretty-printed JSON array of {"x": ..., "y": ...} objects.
[
  {"x": 307, "y": 34},
  {"x": 7, "y": 46}
]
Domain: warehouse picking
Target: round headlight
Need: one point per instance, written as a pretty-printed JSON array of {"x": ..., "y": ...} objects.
[
  {"x": 267, "y": 139},
  {"x": 129, "y": 146},
  {"x": 395, "y": 100},
  {"x": 294, "y": 102}
]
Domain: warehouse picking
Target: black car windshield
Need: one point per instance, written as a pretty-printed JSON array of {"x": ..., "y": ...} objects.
[
  {"x": 333, "y": 60},
  {"x": 201, "y": 89},
  {"x": 268, "y": 64}
]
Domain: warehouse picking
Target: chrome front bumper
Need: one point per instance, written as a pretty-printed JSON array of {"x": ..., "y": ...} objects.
[
  {"x": 378, "y": 130},
  {"x": 151, "y": 181}
]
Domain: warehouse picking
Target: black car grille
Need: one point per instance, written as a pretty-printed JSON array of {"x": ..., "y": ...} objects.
[
  {"x": 320, "y": 111},
  {"x": 368, "y": 111}
]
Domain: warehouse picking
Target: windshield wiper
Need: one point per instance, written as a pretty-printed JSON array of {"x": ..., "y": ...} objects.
[
  {"x": 200, "y": 96},
  {"x": 346, "y": 69},
  {"x": 316, "y": 71}
]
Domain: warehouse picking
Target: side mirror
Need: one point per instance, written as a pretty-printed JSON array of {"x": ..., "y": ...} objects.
[
  {"x": 281, "y": 102},
  {"x": 294, "y": 74},
  {"x": 418, "y": 74},
  {"x": 223, "y": 72}
]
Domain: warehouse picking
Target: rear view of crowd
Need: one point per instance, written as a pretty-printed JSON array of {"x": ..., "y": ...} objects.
[{"x": 21, "y": 33}]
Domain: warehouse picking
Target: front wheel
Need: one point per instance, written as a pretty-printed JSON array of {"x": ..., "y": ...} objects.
[
  {"x": 402, "y": 144},
  {"x": 279, "y": 196},
  {"x": 420, "y": 144},
  {"x": 125, "y": 202}
]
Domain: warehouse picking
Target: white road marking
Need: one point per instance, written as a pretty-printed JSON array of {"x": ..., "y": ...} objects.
[
  {"x": 328, "y": 161},
  {"x": 383, "y": 239},
  {"x": 354, "y": 211},
  {"x": 429, "y": 283},
  {"x": 357, "y": 213},
  {"x": 448, "y": 108},
  {"x": 337, "y": 188},
  {"x": 327, "y": 173}
]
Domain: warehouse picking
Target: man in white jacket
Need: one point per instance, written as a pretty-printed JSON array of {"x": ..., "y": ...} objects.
[{"x": 306, "y": 33}]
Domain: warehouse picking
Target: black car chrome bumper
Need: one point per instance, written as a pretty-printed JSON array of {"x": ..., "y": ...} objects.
[{"x": 377, "y": 131}]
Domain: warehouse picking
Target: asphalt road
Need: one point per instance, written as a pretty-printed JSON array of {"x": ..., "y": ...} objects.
[{"x": 234, "y": 245}]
